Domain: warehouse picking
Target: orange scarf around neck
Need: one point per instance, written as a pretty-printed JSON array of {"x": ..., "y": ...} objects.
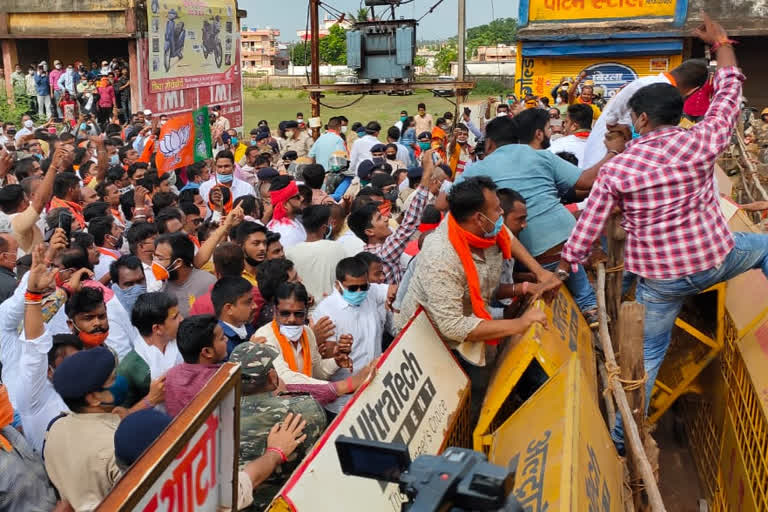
[
  {"x": 6, "y": 416},
  {"x": 462, "y": 240},
  {"x": 287, "y": 349},
  {"x": 74, "y": 208}
]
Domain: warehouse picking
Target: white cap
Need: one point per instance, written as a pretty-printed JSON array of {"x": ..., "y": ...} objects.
[{"x": 147, "y": 112}]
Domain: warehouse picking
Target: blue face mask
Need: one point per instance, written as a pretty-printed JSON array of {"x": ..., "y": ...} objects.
[
  {"x": 224, "y": 178},
  {"x": 83, "y": 126},
  {"x": 113, "y": 160},
  {"x": 233, "y": 140},
  {"x": 119, "y": 390},
  {"x": 329, "y": 232},
  {"x": 128, "y": 296},
  {"x": 360, "y": 134},
  {"x": 496, "y": 227},
  {"x": 635, "y": 135},
  {"x": 424, "y": 145},
  {"x": 353, "y": 298}
]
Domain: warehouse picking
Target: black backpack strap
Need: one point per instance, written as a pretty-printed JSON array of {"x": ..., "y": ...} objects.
[{"x": 47, "y": 429}]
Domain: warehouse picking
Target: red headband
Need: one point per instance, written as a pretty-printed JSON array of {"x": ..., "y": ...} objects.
[{"x": 279, "y": 197}]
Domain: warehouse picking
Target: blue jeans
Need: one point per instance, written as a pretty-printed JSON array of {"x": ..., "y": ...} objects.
[
  {"x": 579, "y": 286},
  {"x": 663, "y": 299}
]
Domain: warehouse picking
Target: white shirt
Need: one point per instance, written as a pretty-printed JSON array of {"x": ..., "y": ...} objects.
[
  {"x": 571, "y": 144},
  {"x": 351, "y": 243},
  {"x": 322, "y": 369},
  {"x": 238, "y": 188},
  {"x": 24, "y": 131},
  {"x": 615, "y": 111},
  {"x": 291, "y": 231},
  {"x": 361, "y": 150},
  {"x": 102, "y": 267},
  {"x": 316, "y": 263},
  {"x": 366, "y": 325},
  {"x": 38, "y": 401},
  {"x": 159, "y": 362},
  {"x": 403, "y": 155},
  {"x": 153, "y": 284},
  {"x": 11, "y": 318}
]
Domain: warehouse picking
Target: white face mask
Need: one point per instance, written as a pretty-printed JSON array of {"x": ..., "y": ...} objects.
[
  {"x": 288, "y": 134},
  {"x": 292, "y": 332},
  {"x": 501, "y": 114},
  {"x": 298, "y": 120},
  {"x": 343, "y": 129}
]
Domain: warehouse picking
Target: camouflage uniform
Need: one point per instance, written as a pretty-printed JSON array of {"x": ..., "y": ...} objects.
[
  {"x": 260, "y": 412},
  {"x": 760, "y": 130}
]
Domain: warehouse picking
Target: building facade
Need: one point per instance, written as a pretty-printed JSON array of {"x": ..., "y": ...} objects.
[
  {"x": 180, "y": 56},
  {"x": 616, "y": 42},
  {"x": 261, "y": 51}
]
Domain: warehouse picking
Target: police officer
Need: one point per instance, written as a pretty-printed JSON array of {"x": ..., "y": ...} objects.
[{"x": 262, "y": 409}]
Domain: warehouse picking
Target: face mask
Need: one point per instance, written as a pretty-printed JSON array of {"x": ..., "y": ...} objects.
[
  {"x": 224, "y": 178},
  {"x": 119, "y": 390},
  {"x": 92, "y": 339},
  {"x": 461, "y": 140},
  {"x": 501, "y": 114},
  {"x": 292, "y": 332},
  {"x": 353, "y": 298},
  {"x": 391, "y": 157},
  {"x": 328, "y": 233},
  {"x": 113, "y": 160},
  {"x": 288, "y": 134},
  {"x": 128, "y": 296},
  {"x": 635, "y": 133},
  {"x": 361, "y": 134},
  {"x": 117, "y": 241},
  {"x": 160, "y": 272},
  {"x": 391, "y": 195},
  {"x": 83, "y": 126},
  {"x": 58, "y": 66},
  {"x": 378, "y": 160},
  {"x": 234, "y": 141},
  {"x": 545, "y": 143},
  {"x": 29, "y": 124},
  {"x": 510, "y": 102},
  {"x": 125, "y": 189},
  {"x": 343, "y": 129},
  {"x": 403, "y": 118},
  {"x": 299, "y": 120},
  {"x": 253, "y": 142},
  {"x": 559, "y": 100},
  {"x": 424, "y": 145},
  {"x": 496, "y": 227},
  {"x": 162, "y": 123}
]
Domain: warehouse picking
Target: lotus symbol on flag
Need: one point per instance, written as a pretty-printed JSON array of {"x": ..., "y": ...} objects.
[{"x": 173, "y": 143}]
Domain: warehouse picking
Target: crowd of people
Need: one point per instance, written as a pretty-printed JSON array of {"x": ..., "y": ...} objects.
[{"x": 123, "y": 288}]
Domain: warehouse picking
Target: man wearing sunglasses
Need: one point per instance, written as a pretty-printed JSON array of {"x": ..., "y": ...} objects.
[{"x": 687, "y": 78}]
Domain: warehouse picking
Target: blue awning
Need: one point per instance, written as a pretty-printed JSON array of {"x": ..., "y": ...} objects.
[{"x": 601, "y": 48}]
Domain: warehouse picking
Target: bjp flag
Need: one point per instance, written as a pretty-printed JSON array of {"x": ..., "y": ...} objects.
[{"x": 184, "y": 140}]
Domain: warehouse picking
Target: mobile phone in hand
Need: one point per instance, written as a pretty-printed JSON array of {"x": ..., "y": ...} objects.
[{"x": 65, "y": 223}]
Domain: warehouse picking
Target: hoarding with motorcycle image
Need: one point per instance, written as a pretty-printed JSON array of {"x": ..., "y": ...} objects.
[{"x": 192, "y": 43}]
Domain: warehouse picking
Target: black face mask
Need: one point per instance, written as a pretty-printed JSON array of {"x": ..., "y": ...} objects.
[
  {"x": 252, "y": 262},
  {"x": 391, "y": 157},
  {"x": 545, "y": 143}
]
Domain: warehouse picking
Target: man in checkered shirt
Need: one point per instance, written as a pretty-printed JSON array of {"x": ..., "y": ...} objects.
[{"x": 678, "y": 241}]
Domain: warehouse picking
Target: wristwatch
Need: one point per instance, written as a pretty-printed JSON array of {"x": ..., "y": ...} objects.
[{"x": 562, "y": 274}]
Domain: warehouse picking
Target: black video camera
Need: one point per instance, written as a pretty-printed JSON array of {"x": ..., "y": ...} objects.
[{"x": 459, "y": 479}]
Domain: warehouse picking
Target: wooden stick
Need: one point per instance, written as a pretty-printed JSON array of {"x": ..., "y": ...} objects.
[
  {"x": 631, "y": 432},
  {"x": 616, "y": 237},
  {"x": 630, "y": 341},
  {"x": 610, "y": 408}
]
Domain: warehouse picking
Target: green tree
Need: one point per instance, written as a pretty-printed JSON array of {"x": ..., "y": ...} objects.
[
  {"x": 447, "y": 54},
  {"x": 360, "y": 15},
  {"x": 499, "y": 31},
  {"x": 300, "y": 54},
  {"x": 419, "y": 61},
  {"x": 333, "y": 47}
]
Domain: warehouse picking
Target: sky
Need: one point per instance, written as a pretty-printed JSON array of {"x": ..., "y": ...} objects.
[{"x": 291, "y": 15}]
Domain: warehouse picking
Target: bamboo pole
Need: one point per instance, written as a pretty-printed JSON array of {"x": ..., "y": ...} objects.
[
  {"x": 631, "y": 432},
  {"x": 610, "y": 408},
  {"x": 616, "y": 237}
]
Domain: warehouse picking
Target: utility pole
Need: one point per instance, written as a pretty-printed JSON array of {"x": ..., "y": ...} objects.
[
  {"x": 314, "y": 97},
  {"x": 462, "y": 29}
]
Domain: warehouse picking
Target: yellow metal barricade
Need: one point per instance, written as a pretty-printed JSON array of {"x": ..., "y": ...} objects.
[
  {"x": 559, "y": 447},
  {"x": 527, "y": 362}
]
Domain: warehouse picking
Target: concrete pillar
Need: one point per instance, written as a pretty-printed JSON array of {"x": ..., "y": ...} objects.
[{"x": 10, "y": 59}]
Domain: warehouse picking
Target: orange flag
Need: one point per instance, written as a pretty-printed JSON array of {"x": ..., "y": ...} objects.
[{"x": 184, "y": 140}]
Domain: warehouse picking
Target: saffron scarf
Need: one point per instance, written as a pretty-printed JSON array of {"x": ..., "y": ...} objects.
[
  {"x": 76, "y": 209},
  {"x": 462, "y": 242},
  {"x": 287, "y": 349},
  {"x": 280, "y": 197},
  {"x": 6, "y": 416}
]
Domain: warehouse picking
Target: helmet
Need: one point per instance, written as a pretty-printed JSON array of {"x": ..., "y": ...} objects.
[
  {"x": 172, "y": 14},
  {"x": 337, "y": 161}
]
